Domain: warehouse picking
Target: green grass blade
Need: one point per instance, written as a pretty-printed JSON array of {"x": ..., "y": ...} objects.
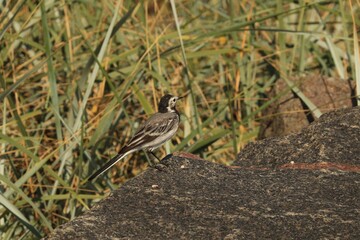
[
  {"x": 16, "y": 144},
  {"x": 210, "y": 137},
  {"x": 312, "y": 107},
  {"x": 67, "y": 186},
  {"x": 145, "y": 104},
  {"x": 15, "y": 211},
  {"x": 336, "y": 57},
  {"x": 53, "y": 89},
  {"x": 45, "y": 221},
  {"x": 188, "y": 82},
  {"x": 11, "y": 20},
  {"x": 95, "y": 71},
  {"x": 26, "y": 76}
]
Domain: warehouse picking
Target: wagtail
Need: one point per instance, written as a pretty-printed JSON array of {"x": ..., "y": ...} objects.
[{"x": 159, "y": 128}]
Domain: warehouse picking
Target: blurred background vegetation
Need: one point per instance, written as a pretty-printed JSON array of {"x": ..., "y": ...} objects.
[{"x": 77, "y": 77}]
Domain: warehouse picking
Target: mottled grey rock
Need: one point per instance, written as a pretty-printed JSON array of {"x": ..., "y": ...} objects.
[
  {"x": 263, "y": 196},
  {"x": 334, "y": 138}
]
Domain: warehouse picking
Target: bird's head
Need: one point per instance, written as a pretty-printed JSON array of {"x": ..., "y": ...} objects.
[{"x": 167, "y": 103}]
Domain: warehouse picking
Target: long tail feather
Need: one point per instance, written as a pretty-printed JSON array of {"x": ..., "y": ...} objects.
[{"x": 107, "y": 165}]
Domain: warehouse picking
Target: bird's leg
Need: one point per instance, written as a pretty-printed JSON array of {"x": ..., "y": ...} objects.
[
  {"x": 151, "y": 152},
  {"x": 159, "y": 166},
  {"x": 152, "y": 161}
]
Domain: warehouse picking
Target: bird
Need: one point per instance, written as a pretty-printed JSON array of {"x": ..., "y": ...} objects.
[{"x": 153, "y": 133}]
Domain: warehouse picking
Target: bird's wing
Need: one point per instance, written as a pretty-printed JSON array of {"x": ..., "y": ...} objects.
[{"x": 155, "y": 126}]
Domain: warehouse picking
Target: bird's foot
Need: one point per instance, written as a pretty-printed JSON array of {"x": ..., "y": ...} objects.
[{"x": 160, "y": 166}]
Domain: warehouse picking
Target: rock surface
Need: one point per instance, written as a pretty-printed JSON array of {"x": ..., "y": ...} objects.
[
  {"x": 334, "y": 140},
  {"x": 287, "y": 114},
  {"x": 302, "y": 186}
]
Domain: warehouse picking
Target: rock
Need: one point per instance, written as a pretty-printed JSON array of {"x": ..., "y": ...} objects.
[
  {"x": 287, "y": 114},
  {"x": 334, "y": 138},
  {"x": 302, "y": 186}
]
